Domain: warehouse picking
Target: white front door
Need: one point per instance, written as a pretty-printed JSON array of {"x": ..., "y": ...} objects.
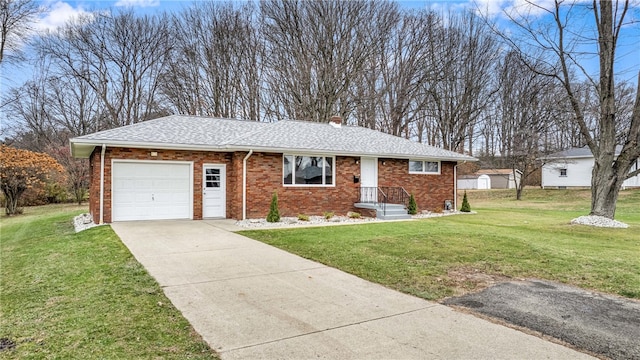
[
  {"x": 368, "y": 179},
  {"x": 214, "y": 191}
]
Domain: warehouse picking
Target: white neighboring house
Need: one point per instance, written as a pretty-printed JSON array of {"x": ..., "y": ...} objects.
[{"x": 572, "y": 169}]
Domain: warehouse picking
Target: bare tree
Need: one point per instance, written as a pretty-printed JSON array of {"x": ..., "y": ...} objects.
[
  {"x": 215, "y": 68},
  {"x": 32, "y": 125},
  {"x": 315, "y": 49},
  {"x": 16, "y": 20},
  {"x": 463, "y": 52},
  {"x": 562, "y": 47},
  {"x": 527, "y": 105},
  {"x": 404, "y": 72},
  {"x": 119, "y": 56},
  {"x": 74, "y": 107}
]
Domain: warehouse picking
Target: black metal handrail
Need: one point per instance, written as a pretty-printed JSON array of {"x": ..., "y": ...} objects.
[
  {"x": 396, "y": 195},
  {"x": 383, "y": 195}
]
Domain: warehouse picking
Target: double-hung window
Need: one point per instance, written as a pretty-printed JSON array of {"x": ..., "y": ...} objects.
[
  {"x": 563, "y": 172},
  {"x": 424, "y": 167},
  {"x": 308, "y": 170}
]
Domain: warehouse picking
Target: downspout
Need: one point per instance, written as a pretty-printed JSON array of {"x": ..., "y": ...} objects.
[
  {"x": 104, "y": 149},
  {"x": 244, "y": 185}
]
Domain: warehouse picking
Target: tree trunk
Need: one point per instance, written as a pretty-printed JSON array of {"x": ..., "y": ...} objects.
[
  {"x": 11, "y": 198},
  {"x": 605, "y": 186}
]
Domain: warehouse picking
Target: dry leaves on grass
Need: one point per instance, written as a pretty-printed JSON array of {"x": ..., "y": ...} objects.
[{"x": 466, "y": 279}]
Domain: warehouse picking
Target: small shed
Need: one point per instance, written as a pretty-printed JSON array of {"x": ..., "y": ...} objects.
[
  {"x": 469, "y": 182},
  {"x": 502, "y": 178},
  {"x": 489, "y": 179}
]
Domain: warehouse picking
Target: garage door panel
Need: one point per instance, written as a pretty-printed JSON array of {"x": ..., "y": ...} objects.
[
  {"x": 124, "y": 184},
  {"x": 180, "y": 198},
  {"x": 141, "y": 198},
  {"x": 151, "y": 191},
  {"x": 165, "y": 185}
]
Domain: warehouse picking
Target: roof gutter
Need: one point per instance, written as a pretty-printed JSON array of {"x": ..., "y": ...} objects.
[
  {"x": 231, "y": 147},
  {"x": 244, "y": 185},
  {"x": 104, "y": 149},
  {"x": 348, "y": 153}
]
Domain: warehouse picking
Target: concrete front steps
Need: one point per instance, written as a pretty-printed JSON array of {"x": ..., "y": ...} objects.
[{"x": 393, "y": 211}]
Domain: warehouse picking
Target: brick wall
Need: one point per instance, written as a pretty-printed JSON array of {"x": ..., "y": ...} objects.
[
  {"x": 264, "y": 176},
  {"x": 199, "y": 158},
  {"x": 430, "y": 191}
]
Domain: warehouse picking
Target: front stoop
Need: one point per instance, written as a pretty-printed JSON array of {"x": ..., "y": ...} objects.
[{"x": 393, "y": 211}]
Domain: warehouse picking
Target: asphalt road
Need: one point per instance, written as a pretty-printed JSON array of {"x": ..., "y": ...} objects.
[{"x": 605, "y": 325}]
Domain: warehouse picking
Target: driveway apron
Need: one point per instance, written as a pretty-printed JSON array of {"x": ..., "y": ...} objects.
[{"x": 249, "y": 300}]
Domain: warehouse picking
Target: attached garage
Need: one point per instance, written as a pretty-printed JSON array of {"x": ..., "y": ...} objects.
[{"x": 151, "y": 190}]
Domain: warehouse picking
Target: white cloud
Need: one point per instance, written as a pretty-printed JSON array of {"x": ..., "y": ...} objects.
[
  {"x": 516, "y": 8},
  {"x": 490, "y": 8},
  {"x": 137, "y": 3},
  {"x": 59, "y": 13},
  {"x": 445, "y": 6},
  {"x": 531, "y": 8}
]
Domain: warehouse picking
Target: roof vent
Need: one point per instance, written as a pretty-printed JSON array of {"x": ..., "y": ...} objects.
[{"x": 335, "y": 121}]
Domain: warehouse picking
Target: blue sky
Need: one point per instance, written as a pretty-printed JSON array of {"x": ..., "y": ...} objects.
[{"x": 61, "y": 11}]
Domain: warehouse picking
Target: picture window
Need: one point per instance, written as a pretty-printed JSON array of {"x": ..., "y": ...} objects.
[{"x": 308, "y": 170}]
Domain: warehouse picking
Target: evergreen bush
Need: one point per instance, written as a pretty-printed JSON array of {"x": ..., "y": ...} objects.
[
  {"x": 412, "y": 208},
  {"x": 465, "y": 203},
  {"x": 274, "y": 213}
]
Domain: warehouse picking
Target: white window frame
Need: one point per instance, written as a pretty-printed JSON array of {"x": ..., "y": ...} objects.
[
  {"x": 565, "y": 172},
  {"x": 423, "y": 171},
  {"x": 324, "y": 175}
]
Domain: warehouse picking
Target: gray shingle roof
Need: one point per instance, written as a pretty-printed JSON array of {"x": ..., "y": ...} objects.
[
  {"x": 176, "y": 129},
  {"x": 583, "y": 152},
  {"x": 189, "y": 132}
]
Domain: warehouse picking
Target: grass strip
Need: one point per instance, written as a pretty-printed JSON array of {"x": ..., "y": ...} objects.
[
  {"x": 83, "y": 296},
  {"x": 441, "y": 257}
]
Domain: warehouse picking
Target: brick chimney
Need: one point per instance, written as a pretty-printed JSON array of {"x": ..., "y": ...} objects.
[{"x": 335, "y": 121}]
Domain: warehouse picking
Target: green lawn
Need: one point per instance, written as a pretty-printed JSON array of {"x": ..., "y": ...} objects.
[
  {"x": 83, "y": 296},
  {"x": 440, "y": 257}
]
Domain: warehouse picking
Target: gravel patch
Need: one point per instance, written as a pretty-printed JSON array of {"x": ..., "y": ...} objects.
[
  {"x": 429, "y": 214},
  {"x": 598, "y": 221},
  {"x": 335, "y": 220},
  {"x": 294, "y": 222},
  {"x": 83, "y": 222}
]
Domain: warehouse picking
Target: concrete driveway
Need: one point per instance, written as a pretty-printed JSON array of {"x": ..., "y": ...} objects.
[{"x": 249, "y": 300}]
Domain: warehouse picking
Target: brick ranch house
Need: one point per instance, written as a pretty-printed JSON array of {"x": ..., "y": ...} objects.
[{"x": 185, "y": 167}]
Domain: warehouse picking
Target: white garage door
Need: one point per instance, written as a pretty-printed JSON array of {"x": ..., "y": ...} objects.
[{"x": 151, "y": 190}]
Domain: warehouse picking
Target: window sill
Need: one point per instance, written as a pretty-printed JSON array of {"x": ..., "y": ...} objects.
[
  {"x": 308, "y": 186},
  {"x": 423, "y": 173}
]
